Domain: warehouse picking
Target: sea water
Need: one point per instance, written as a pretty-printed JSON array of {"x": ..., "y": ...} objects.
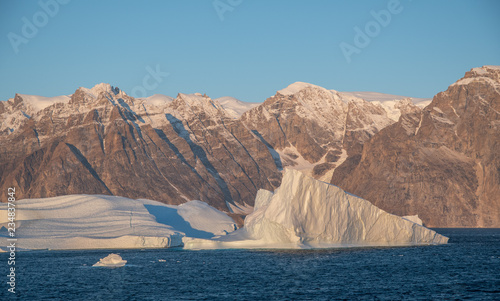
[{"x": 466, "y": 268}]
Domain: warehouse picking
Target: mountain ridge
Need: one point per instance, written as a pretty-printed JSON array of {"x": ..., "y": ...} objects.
[
  {"x": 441, "y": 161},
  {"x": 221, "y": 151}
]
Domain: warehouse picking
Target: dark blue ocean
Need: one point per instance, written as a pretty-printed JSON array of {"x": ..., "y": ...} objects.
[{"x": 466, "y": 268}]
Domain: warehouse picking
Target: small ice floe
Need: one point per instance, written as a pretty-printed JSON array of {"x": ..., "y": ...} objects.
[{"x": 112, "y": 261}]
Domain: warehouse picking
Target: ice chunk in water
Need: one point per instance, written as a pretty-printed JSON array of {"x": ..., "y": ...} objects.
[{"x": 112, "y": 260}]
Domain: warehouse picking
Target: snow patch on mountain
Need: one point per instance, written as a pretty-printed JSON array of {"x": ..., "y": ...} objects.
[
  {"x": 331, "y": 123},
  {"x": 234, "y": 107},
  {"x": 466, "y": 81},
  {"x": 318, "y": 104},
  {"x": 158, "y": 100},
  {"x": 489, "y": 74},
  {"x": 297, "y": 87},
  {"x": 196, "y": 101},
  {"x": 36, "y": 103},
  {"x": 383, "y": 97},
  {"x": 23, "y": 107},
  {"x": 388, "y": 102}
]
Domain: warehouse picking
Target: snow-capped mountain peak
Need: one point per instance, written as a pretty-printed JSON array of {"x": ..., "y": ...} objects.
[
  {"x": 196, "y": 103},
  {"x": 195, "y": 99},
  {"x": 489, "y": 74},
  {"x": 297, "y": 87},
  {"x": 35, "y": 103},
  {"x": 102, "y": 88}
]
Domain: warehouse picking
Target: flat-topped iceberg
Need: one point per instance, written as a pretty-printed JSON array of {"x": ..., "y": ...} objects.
[
  {"x": 110, "y": 222},
  {"x": 307, "y": 213},
  {"x": 112, "y": 261}
]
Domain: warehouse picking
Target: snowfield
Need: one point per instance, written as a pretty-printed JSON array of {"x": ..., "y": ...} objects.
[
  {"x": 109, "y": 222},
  {"x": 388, "y": 102},
  {"x": 307, "y": 213},
  {"x": 234, "y": 107}
]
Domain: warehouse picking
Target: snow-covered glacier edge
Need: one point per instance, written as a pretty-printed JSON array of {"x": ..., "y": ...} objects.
[{"x": 75, "y": 222}]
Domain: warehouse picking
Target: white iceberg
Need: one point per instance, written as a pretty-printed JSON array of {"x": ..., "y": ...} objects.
[
  {"x": 307, "y": 213},
  {"x": 110, "y": 222},
  {"x": 414, "y": 218},
  {"x": 112, "y": 261}
]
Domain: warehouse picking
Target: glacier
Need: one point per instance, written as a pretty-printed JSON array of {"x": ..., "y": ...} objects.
[
  {"x": 110, "y": 222},
  {"x": 307, "y": 213}
]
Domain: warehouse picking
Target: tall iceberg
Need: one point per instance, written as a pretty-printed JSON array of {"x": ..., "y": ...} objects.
[{"x": 307, "y": 213}]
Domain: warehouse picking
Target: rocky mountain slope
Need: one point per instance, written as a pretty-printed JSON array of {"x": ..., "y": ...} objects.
[
  {"x": 442, "y": 162},
  {"x": 439, "y": 161},
  {"x": 389, "y": 102},
  {"x": 312, "y": 129},
  {"x": 102, "y": 141}
]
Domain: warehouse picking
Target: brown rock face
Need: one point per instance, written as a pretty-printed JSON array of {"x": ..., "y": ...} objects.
[
  {"x": 101, "y": 141},
  {"x": 441, "y": 163},
  {"x": 313, "y": 129}
]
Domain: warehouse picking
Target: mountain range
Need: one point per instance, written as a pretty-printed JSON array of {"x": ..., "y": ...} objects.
[{"x": 437, "y": 159}]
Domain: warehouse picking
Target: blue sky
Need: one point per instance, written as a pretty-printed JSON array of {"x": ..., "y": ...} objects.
[{"x": 249, "y": 49}]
